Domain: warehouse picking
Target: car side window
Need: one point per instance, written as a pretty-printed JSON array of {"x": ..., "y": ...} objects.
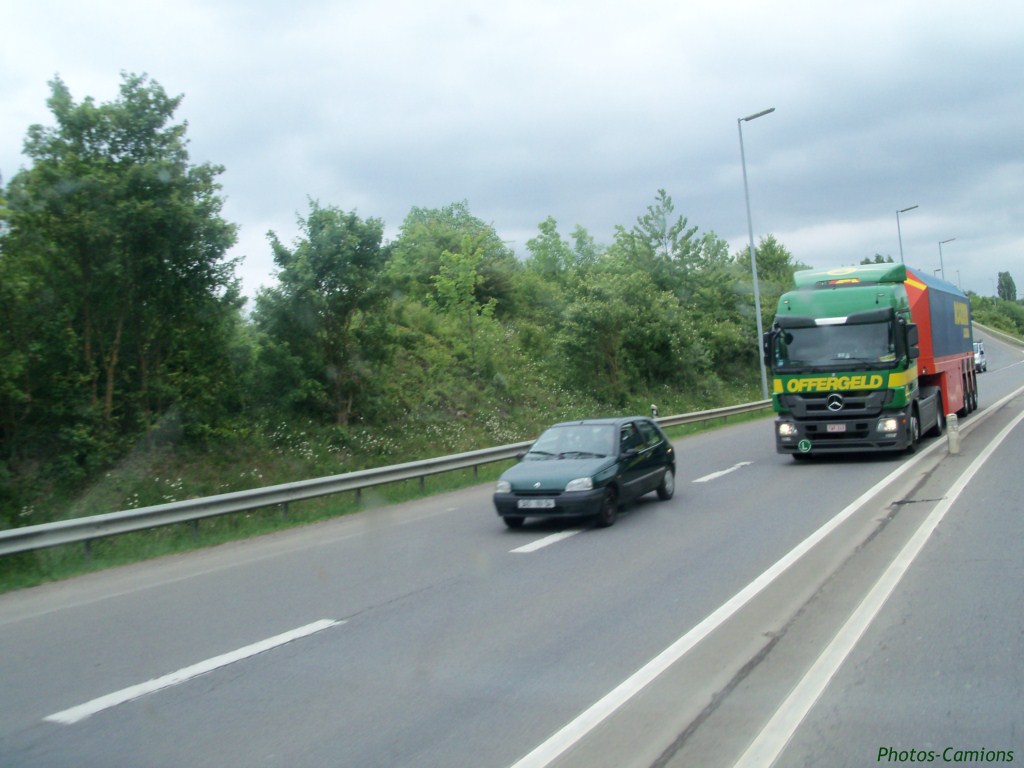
[
  {"x": 650, "y": 435},
  {"x": 630, "y": 438}
]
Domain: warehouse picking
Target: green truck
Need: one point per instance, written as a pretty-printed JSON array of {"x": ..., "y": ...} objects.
[{"x": 868, "y": 358}]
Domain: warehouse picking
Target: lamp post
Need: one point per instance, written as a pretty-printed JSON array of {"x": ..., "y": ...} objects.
[
  {"x": 753, "y": 261},
  {"x": 898, "y": 233},
  {"x": 941, "y": 266}
]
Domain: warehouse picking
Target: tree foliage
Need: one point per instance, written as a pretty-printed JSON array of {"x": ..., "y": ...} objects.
[
  {"x": 427, "y": 234},
  {"x": 114, "y": 265},
  {"x": 323, "y": 323},
  {"x": 1006, "y": 289}
]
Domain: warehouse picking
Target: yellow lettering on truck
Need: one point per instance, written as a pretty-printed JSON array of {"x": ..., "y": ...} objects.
[{"x": 834, "y": 383}]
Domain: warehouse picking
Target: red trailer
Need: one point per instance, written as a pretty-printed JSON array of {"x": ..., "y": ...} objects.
[{"x": 943, "y": 318}]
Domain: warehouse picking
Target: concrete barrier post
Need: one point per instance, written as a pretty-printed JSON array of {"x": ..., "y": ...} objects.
[{"x": 953, "y": 433}]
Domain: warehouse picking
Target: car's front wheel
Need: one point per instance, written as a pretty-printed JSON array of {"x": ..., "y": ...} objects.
[
  {"x": 514, "y": 522},
  {"x": 609, "y": 509},
  {"x": 668, "y": 484}
]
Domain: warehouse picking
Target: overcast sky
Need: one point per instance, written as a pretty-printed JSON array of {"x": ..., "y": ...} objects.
[{"x": 578, "y": 110}]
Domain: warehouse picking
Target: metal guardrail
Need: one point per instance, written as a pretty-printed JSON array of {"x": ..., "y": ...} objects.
[
  {"x": 1001, "y": 335},
  {"x": 85, "y": 529}
]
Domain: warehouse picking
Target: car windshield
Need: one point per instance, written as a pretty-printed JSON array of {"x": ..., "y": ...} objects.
[
  {"x": 835, "y": 346},
  {"x": 574, "y": 441}
]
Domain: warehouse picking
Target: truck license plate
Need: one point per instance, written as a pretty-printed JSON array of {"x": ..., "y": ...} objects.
[
  {"x": 836, "y": 427},
  {"x": 536, "y": 503}
]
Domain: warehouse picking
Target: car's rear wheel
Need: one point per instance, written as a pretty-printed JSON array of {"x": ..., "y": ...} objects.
[
  {"x": 514, "y": 522},
  {"x": 609, "y": 509},
  {"x": 668, "y": 484}
]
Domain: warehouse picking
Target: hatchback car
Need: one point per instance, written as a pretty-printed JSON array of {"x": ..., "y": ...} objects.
[{"x": 587, "y": 468}]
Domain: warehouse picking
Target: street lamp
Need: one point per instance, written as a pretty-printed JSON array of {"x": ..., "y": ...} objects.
[
  {"x": 943, "y": 268},
  {"x": 753, "y": 261},
  {"x": 900, "y": 234}
]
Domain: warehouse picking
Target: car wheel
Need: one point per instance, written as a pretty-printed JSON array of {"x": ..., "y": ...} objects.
[
  {"x": 609, "y": 509},
  {"x": 514, "y": 522},
  {"x": 668, "y": 484}
]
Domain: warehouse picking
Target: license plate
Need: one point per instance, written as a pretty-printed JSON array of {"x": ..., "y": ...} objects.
[
  {"x": 536, "y": 503},
  {"x": 836, "y": 427}
]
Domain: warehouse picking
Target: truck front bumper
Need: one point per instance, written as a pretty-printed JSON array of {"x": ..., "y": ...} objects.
[{"x": 890, "y": 431}]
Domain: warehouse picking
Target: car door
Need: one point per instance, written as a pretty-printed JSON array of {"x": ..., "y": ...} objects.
[
  {"x": 654, "y": 455},
  {"x": 631, "y": 461}
]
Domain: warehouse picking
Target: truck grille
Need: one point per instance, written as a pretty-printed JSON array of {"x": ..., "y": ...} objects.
[{"x": 816, "y": 405}]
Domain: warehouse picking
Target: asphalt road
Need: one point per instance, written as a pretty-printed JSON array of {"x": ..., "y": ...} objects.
[{"x": 427, "y": 634}]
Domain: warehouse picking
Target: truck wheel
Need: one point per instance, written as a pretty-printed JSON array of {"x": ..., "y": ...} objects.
[
  {"x": 914, "y": 428},
  {"x": 962, "y": 413}
]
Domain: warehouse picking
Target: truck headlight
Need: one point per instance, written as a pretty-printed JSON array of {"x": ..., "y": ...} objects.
[
  {"x": 888, "y": 425},
  {"x": 787, "y": 429},
  {"x": 580, "y": 484}
]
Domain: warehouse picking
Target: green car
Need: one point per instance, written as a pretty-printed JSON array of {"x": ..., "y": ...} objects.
[{"x": 587, "y": 468}]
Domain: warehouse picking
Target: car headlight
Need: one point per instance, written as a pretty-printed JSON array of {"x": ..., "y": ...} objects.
[
  {"x": 787, "y": 429},
  {"x": 503, "y": 486},
  {"x": 888, "y": 425},
  {"x": 581, "y": 484}
]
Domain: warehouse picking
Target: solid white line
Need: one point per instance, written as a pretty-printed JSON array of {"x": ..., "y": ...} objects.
[
  {"x": 546, "y": 541},
  {"x": 773, "y": 738},
  {"x": 716, "y": 475},
  {"x": 82, "y": 711}
]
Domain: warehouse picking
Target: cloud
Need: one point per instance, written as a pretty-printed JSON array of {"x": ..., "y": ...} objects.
[{"x": 576, "y": 110}]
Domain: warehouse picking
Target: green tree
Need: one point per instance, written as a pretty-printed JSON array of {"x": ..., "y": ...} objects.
[
  {"x": 775, "y": 268},
  {"x": 125, "y": 237},
  {"x": 661, "y": 244},
  {"x": 622, "y": 334},
  {"x": 325, "y": 322},
  {"x": 426, "y": 234},
  {"x": 722, "y": 310},
  {"x": 1005, "y": 288},
  {"x": 456, "y": 285},
  {"x": 549, "y": 255}
]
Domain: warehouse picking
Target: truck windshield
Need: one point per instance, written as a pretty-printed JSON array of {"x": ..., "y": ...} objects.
[{"x": 867, "y": 345}]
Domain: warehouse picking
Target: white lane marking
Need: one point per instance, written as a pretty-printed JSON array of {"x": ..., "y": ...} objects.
[
  {"x": 82, "y": 711},
  {"x": 721, "y": 473},
  {"x": 776, "y": 734},
  {"x": 546, "y": 541}
]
